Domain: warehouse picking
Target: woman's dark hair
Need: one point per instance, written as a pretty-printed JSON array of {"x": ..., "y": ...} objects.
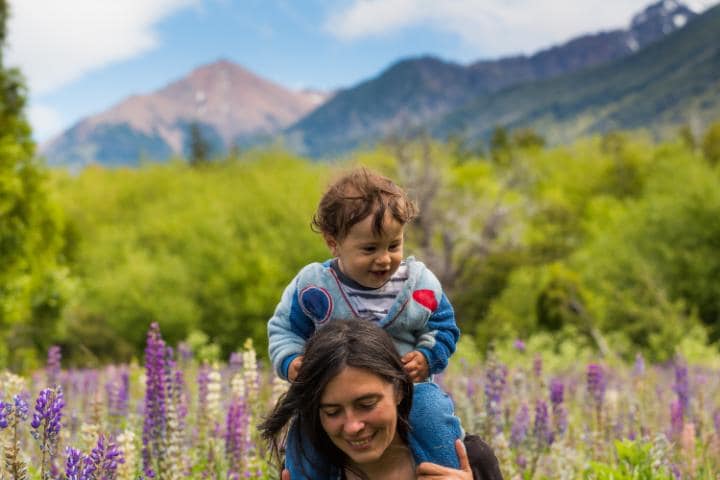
[{"x": 339, "y": 344}]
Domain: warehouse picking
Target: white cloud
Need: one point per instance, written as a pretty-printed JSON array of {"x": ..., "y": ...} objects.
[
  {"x": 45, "y": 121},
  {"x": 55, "y": 42},
  {"x": 493, "y": 27}
]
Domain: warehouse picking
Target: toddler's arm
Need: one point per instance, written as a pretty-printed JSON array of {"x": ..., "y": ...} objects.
[
  {"x": 440, "y": 337},
  {"x": 288, "y": 330},
  {"x": 416, "y": 366}
]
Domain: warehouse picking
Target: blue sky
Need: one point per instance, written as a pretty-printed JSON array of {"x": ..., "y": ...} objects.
[{"x": 81, "y": 57}]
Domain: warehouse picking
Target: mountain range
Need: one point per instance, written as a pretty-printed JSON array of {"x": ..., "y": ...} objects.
[
  {"x": 661, "y": 70},
  {"x": 231, "y": 105}
]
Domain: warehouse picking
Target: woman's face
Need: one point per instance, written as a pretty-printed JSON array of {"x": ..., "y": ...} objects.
[{"x": 358, "y": 411}]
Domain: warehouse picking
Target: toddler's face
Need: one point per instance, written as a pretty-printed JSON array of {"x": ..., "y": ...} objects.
[{"x": 367, "y": 258}]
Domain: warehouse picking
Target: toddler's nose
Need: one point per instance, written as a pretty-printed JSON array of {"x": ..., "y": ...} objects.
[{"x": 383, "y": 258}]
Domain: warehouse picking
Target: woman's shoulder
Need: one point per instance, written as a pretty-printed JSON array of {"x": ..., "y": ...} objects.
[{"x": 483, "y": 462}]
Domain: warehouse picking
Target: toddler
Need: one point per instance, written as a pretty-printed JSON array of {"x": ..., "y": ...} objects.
[{"x": 362, "y": 218}]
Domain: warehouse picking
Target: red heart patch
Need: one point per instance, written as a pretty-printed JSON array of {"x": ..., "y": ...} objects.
[{"x": 426, "y": 298}]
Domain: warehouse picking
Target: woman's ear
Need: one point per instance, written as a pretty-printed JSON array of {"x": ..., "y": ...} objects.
[{"x": 398, "y": 394}]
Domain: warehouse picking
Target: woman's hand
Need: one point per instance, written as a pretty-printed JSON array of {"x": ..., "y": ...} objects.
[{"x": 427, "y": 471}]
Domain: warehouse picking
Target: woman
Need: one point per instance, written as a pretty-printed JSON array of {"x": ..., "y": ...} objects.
[{"x": 351, "y": 401}]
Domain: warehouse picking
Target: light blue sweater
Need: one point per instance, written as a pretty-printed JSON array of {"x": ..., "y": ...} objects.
[{"x": 421, "y": 318}]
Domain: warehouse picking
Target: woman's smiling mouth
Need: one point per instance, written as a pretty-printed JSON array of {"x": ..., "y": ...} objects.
[{"x": 360, "y": 444}]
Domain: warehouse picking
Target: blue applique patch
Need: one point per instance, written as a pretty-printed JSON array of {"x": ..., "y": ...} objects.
[{"x": 317, "y": 303}]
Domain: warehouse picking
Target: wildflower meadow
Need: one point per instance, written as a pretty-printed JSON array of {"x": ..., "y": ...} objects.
[{"x": 175, "y": 417}]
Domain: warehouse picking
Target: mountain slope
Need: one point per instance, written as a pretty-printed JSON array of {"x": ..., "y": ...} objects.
[
  {"x": 231, "y": 103},
  {"x": 670, "y": 82},
  {"x": 414, "y": 91}
]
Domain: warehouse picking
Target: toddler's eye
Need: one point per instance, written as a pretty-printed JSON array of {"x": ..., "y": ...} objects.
[{"x": 368, "y": 249}]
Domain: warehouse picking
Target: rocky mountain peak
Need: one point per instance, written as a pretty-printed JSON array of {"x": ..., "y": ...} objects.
[{"x": 659, "y": 19}]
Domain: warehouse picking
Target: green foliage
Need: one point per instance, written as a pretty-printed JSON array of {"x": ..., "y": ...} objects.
[
  {"x": 198, "y": 146},
  {"x": 527, "y": 138},
  {"x": 500, "y": 147},
  {"x": 606, "y": 245},
  {"x": 33, "y": 283},
  {"x": 634, "y": 462},
  {"x": 195, "y": 249},
  {"x": 711, "y": 144}
]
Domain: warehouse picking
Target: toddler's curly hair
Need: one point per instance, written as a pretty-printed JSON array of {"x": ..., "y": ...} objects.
[{"x": 354, "y": 197}]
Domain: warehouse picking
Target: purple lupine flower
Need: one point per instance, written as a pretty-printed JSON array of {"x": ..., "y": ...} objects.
[
  {"x": 519, "y": 345},
  {"x": 5, "y": 411},
  {"x": 541, "y": 427},
  {"x": 520, "y": 426},
  {"x": 538, "y": 366},
  {"x": 117, "y": 390},
  {"x": 21, "y": 407},
  {"x": 185, "y": 352},
  {"x": 557, "y": 396},
  {"x": 181, "y": 397},
  {"x": 235, "y": 360},
  {"x": 46, "y": 425},
  {"x": 236, "y": 426},
  {"x": 10, "y": 413},
  {"x": 155, "y": 421},
  {"x": 495, "y": 379},
  {"x": 48, "y": 411},
  {"x": 682, "y": 388},
  {"x": 676, "y": 418},
  {"x": 102, "y": 462},
  {"x": 716, "y": 421},
  {"x": 73, "y": 463},
  {"x": 557, "y": 391},
  {"x": 639, "y": 367},
  {"x": 521, "y": 462},
  {"x": 596, "y": 383},
  {"x": 52, "y": 368},
  {"x": 470, "y": 386}
]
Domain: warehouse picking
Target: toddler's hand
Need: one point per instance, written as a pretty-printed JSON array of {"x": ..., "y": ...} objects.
[
  {"x": 294, "y": 368},
  {"x": 416, "y": 366}
]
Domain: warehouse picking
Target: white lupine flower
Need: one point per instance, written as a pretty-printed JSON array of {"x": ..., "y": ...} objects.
[
  {"x": 562, "y": 463},
  {"x": 11, "y": 384},
  {"x": 279, "y": 387},
  {"x": 237, "y": 385},
  {"x": 504, "y": 457},
  {"x": 126, "y": 444},
  {"x": 250, "y": 371},
  {"x": 89, "y": 433},
  {"x": 659, "y": 452},
  {"x": 214, "y": 399},
  {"x": 172, "y": 468}
]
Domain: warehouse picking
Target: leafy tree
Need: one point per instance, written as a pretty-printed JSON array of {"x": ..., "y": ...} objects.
[
  {"x": 198, "y": 145},
  {"x": 527, "y": 138},
  {"x": 32, "y": 282},
  {"x": 711, "y": 144},
  {"x": 500, "y": 145}
]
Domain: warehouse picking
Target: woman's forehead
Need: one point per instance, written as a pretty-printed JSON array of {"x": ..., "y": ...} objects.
[{"x": 353, "y": 383}]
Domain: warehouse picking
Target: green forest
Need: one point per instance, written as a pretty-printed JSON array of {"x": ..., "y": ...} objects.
[{"x": 609, "y": 244}]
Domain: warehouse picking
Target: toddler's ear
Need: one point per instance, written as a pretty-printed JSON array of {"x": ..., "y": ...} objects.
[{"x": 331, "y": 243}]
